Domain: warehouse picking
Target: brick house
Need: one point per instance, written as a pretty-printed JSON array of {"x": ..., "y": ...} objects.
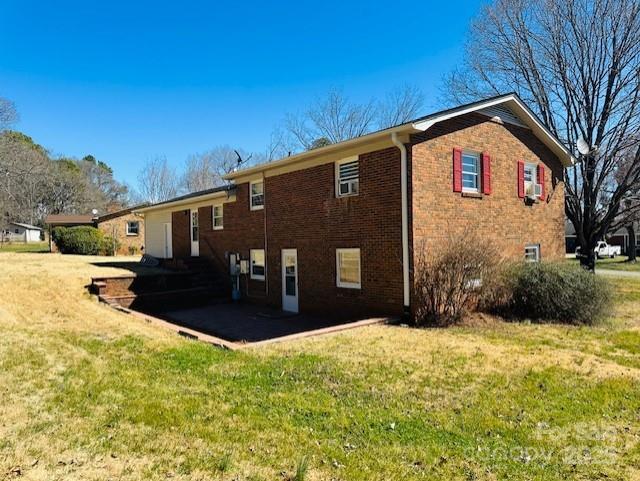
[
  {"x": 127, "y": 227},
  {"x": 124, "y": 225},
  {"x": 335, "y": 229}
]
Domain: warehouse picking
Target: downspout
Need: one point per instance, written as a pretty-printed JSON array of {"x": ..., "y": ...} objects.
[
  {"x": 264, "y": 212},
  {"x": 405, "y": 219}
]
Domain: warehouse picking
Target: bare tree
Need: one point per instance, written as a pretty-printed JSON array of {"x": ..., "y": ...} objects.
[
  {"x": 204, "y": 171},
  {"x": 157, "y": 181},
  {"x": 8, "y": 113},
  {"x": 334, "y": 117},
  {"x": 399, "y": 106},
  {"x": 24, "y": 173},
  {"x": 577, "y": 64}
]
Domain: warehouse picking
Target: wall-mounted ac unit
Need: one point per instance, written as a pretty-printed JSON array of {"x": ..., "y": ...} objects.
[{"x": 533, "y": 191}]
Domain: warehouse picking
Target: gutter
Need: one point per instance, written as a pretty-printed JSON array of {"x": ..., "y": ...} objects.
[{"x": 405, "y": 219}]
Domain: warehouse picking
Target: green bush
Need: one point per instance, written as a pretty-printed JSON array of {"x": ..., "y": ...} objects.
[
  {"x": 551, "y": 292},
  {"x": 84, "y": 240},
  {"x": 109, "y": 246}
]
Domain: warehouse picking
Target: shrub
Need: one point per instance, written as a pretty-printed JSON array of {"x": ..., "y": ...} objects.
[
  {"x": 133, "y": 250},
  {"x": 552, "y": 292},
  {"x": 109, "y": 246},
  {"x": 83, "y": 240},
  {"x": 450, "y": 279}
]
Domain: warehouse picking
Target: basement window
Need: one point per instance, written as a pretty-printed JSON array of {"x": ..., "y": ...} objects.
[
  {"x": 257, "y": 195},
  {"x": 218, "y": 221},
  {"x": 532, "y": 253},
  {"x": 133, "y": 228},
  {"x": 347, "y": 177},
  {"x": 257, "y": 264},
  {"x": 348, "y": 268}
]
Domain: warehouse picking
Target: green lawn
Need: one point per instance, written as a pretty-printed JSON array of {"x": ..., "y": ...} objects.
[
  {"x": 620, "y": 263},
  {"x": 34, "y": 247},
  {"x": 90, "y": 393}
]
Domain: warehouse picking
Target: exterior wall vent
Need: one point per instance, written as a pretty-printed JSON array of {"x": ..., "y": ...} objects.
[{"x": 504, "y": 113}]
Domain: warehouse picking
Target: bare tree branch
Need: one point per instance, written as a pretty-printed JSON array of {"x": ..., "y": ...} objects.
[{"x": 577, "y": 64}]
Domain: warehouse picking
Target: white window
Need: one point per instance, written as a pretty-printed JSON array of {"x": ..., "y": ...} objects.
[
  {"x": 531, "y": 187},
  {"x": 348, "y": 268},
  {"x": 218, "y": 222},
  {"x": 532, "y": 253},
  {"x": 257, "y": 264},
  {"x": 257, "y": 194},
  {"x": 347, "y": 177},
  {"x": 133, "y": 228},
  {"x": 470, "y": 172}
]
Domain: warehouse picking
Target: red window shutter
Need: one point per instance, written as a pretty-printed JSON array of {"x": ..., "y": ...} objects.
[
  {"x": 486, "y": 173},
  {"x": 457, "y": 170},
  {"x": 541, "y": 181},
  {"x": 521, "y": 179}
]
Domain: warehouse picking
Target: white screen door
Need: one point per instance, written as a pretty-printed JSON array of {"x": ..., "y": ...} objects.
[
  {"x": 290, "y": 280},
  {"x": 168, "y": 250},
  {"x": 195, "y": 244}
]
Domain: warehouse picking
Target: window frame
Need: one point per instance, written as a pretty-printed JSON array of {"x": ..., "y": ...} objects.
[
  {"x": 253, "y": 206},
  {"x": 338, "y": 163},
  {"x": 194, "y": 227},
  {"x": 257, "y": 277},
  {"x": 339, "y": 282},
  {"x": 534, "y": 178},
  {"x": 537, "y": 252},
  {"x": 221, "y": 217},
  {"x": 478, "y": 173},
  {"x": 133, "y": 234}
]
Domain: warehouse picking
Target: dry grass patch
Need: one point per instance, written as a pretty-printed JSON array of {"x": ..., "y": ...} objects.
[{"x": 90, "y": 393}]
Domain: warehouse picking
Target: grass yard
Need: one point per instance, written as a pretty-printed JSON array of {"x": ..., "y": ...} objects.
[
  {"x": 33, "y": 247},
  {"x": 618, "y": 264},
  {"x": 89, "y": 393}
]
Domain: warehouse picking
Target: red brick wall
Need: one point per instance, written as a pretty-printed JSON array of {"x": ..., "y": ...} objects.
[
  {"x": 304, "y": 213},
  {"x": 180, "y": 235},
  {"x": 243, "y": 230},
  {"x": 502, "y": 218},
  {"x": 128, "y": 244}
]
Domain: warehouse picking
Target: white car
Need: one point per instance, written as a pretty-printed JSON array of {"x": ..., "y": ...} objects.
[{"x": 603, "y": 250}]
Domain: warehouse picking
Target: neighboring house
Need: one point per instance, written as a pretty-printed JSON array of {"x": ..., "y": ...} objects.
[
  {"x": 124, "y": 225},
  {"x": 19, "y": 232},
  {"x": 335, "y": 229},
  {"x": 618, "y": 238}
]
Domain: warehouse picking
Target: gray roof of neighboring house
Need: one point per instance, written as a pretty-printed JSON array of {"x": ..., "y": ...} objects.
[
  {"x": 26, "y": 226},
  {"x": 62, "y": 219},
  {"x": 120, "y": 213}
]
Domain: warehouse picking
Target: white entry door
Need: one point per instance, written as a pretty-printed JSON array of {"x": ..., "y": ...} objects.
[
  {"x": 290, "y": 280},
  {"x": 168, "y": 247},
  {"x": 195, "y": 243}
]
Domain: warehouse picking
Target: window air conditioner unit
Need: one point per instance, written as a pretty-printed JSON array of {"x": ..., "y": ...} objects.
[
  {"x": 538, "y": 190},
  {"x": 533, "y": 191}
]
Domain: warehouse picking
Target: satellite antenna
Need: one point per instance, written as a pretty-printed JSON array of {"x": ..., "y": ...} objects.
[
  {"x": 94, "y": 211},
  {"x": 583, "y": 147}
]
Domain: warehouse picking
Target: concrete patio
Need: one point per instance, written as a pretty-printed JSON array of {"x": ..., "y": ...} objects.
[{"x": 246, "y": 323}]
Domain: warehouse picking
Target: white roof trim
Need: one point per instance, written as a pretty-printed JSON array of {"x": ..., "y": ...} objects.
[
  {"x": 513, "y": 102},
  {"x": 519, "y": 109},
  {"x": 320, "y": 151},
  {"x": 181, "y": 202}
]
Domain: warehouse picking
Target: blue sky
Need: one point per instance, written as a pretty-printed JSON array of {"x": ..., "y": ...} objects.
[{"x": 129, "y": 80}]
